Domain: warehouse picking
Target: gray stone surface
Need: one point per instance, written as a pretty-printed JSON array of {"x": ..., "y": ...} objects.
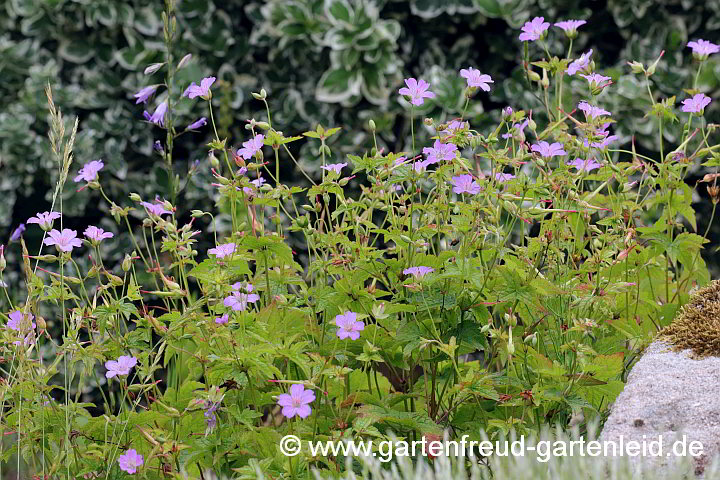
[{"x": 669, "y": 394}]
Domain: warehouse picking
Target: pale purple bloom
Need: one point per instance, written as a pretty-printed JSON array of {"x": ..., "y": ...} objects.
[
  {"x": 518, "y": 129},
  {"x": 440, "y": 151},
  {"x": 580, "y": 63},
  {"x": 348, "y": 326},
  {"x": 44, "y": 219},
  {"x": 210, "y": 419},
  {"x": 258, "y": 182},
  {"x": 504, "y": 177},
  {"x": 158, "y": 117},
  {"x": 157, "y": 208},
  {"x": 143, "y": 95},
  {"x": 605, "y": 137},
  {"x": 63, "y": 241},
  {"x": 121, "y": 366},
  {"x": 476, "y": 79},
  {"x": 20, "y": 321},
  {"x": 600, "y": 81},
  {"x": 534, "y": 29},
  {"x": 592, "y": 111},
  {"x": 418, "y": 272},
  {"x": 222, "y": 320},
  {"x": 297, "y": 402},
  {"x": 399, "y": 161},
  {"x": 97, "y": 234},
  {"x": 200, "y": 122},
  {"x": 570, "y": 26},
  {"x": 200, "y": 91},
  {"x": 703, "y": 48},
  {"x": 465, "y": 184},
  {"x": 417, "y": 90},
  {"x": 17, "y": 233},
  {"x": 334, "y": 167},
  {"x": 238, "y": 300},
  {"x": 222, "y": 251},
  {"x": 585, "y": 165},
  {"x": 456, "y": 126},
  {"x": 696, "y": 104},
  {"x": 89, "y": 171},
  {"x": 548, "y": 150},
  {"x": 421, "y": 166},
  {"x": 130, "y": 461},
  {"x": 251, "y": 147}
]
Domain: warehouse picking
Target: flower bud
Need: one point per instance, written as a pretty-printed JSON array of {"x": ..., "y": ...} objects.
[
  {"x": 428, "y": 122},
  {"x": 263, "y": 125},
  {"x": 197, "y": 213},
  {"x": 214, "y": 162},
  {"x": 343, "y": 181},
  {"x": 135, "y": 197},
  {"x": 534, "y": 77},
  {"x": 636, "y": 67},
  {"x": 147, "y": 223},
  {"x": 545, "y": 82},
  {"x": 507, "y": 112},
  {"x": 127, "y": 263},
  {"x": 371, "y": 124},
  {"x": 184, "y": 61}
]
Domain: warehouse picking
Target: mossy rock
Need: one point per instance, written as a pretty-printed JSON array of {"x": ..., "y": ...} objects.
[{"x": 697, "y": 326}]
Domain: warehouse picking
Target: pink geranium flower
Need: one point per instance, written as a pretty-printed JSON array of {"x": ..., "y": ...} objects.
[
  {"x": 417, "y": 90},
  {"x": 64, "y": 241},
  {"x": 130, "y": 461},
  {"x": 348, "y": 326},
  {"x": 121, "y": 366},
  {"x": 44, "y": 219},
  {"x": 297, "y": 402}
]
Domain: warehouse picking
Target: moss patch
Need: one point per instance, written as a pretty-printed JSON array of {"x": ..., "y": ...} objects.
[{"x": 697, "y": 326}]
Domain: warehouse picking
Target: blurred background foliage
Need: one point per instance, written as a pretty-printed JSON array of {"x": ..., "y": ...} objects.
[{"x": 335, "y": 62}]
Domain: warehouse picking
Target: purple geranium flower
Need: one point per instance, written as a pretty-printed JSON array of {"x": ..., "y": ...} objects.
[
  {"x": 421, "y": 166},
  {"x": 210, "y": 419},
  {"x": 222, "y": 251},
  {"x": 570, "y": 26},
  {"x": 200, "y": 91},
  {"x": 251, "y": 147},
  {"x": 222, "y": 320},
  {"x": 600, "y": 81},
  {"x": 20, "y": 321},
  {"x": 456, "y": 126},
  {"x": 440, "y": 151},
  {"x": 702, "y": 48},
  {"x": 580, "y": 63},
  {"x": 696, "y": 104},
  {"x": 348, "y": 326},
  {"x": 418, "y": 272},
  {"x": 157, "y": 208},
  {"x": 465, "y": 184},
  {"x": 517, "y": 130},
  {"x": 89, "y": 171},
  {"x": 585, "y": 165},
  {"x": 158, "y": 117},
  {"x": 297, "y": 402},
  {"x": 605, "y": 137},
  {"x": 97, "y": 234},
  {"x": 548, "y": 150},
  {"x": 64, "y": 241},
  {"x": 334, "y": 167},
  {"x": 504, "y": 177},
  {"x": 592, "y": 111},
  {"x": 239, "y": 299},
  {"x": 121, "y": 366},
  {"x": 534, "y": 29},
  {"x": 476, "y": 79},
  {"x": 417, "y": 90},
  {"x": 200, "y": 122},
  {"x": 44, "y": 219},
  {"x": 17, "y": 233},
  {"x": 143, "y": 95},
  {"x": 130, "y": 461}
]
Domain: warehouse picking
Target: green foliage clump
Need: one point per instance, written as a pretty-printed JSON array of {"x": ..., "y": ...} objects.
[{"x": 486, "y": 280}]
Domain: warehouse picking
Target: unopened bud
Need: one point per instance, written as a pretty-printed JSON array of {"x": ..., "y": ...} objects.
[
  {"x": 428, "y": 122},
  {"x": 534, "y": 77},
  {"x": 135, "y": 197},
  {"x": 371, "y": 124},
  {"x": 40, "y": 322},
  {"x": 127, "y": 263},
  {"x": 184, "y": 61}
]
